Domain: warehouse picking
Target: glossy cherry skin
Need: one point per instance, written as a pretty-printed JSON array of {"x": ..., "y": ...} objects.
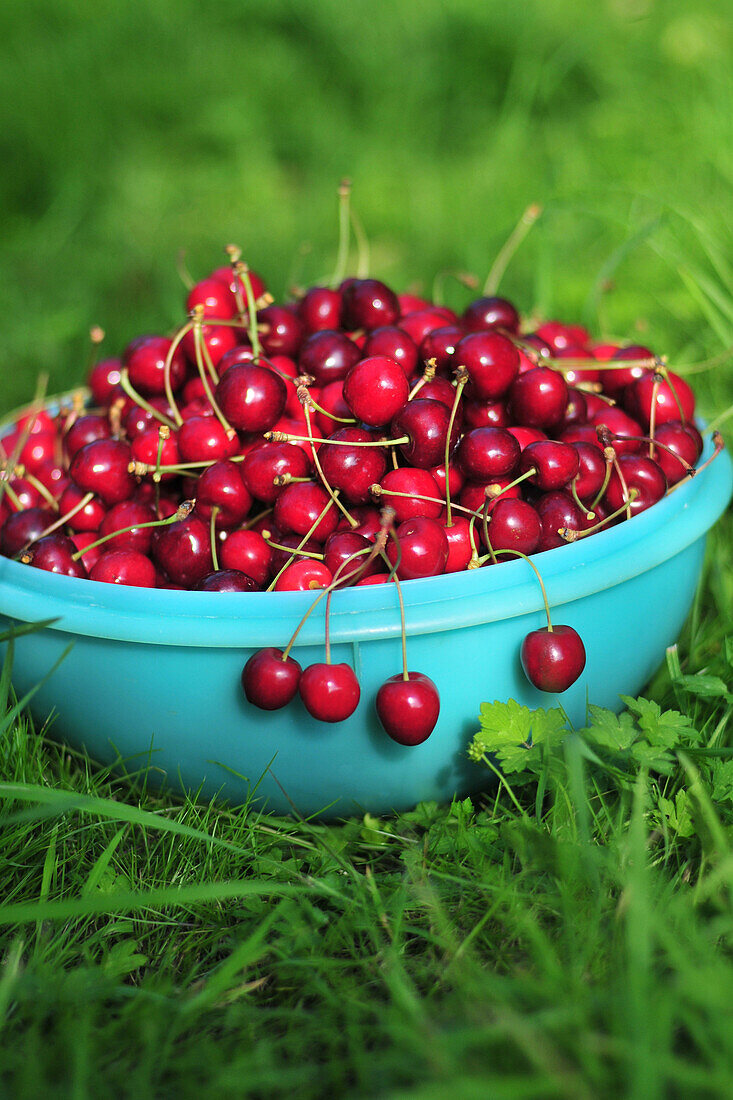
[
  {"x": 492, "y": 362},
  {"x": 425, "y": 423},
  {"x": 251, "y": 397},
  {"x": 421, "y": 547},
  {"x": 490, "y": 312},
  {"x": 304, "y": 575},
  {"x": 268, "y": 681},
  {"x": 214, "y": 296},
  {"x": 352, "y": 470},
  {"x": 538, "y": 398},
  {"x": 460, "y": 549},
  {"x": 125, "y": 567},
  {"x": 320, "y": 308},
  {"x": 341, "y": 547},
  {"x": 267, "y": 461},
  {"x": 557, "y": 509},
  {"x": 553, "y": 659},
  {"x": 408, "y": 709},
  {"x": 221, "y": 486},
  {"x": 328, "y": 355},
  {"x": 282, "y": 331},
  {"x": 440, "y": 345},
  {"x": 685, "y": 441},
  {"x": 395, "y": 343},
  {"x": 485, "y": 453},
  {"x": 513, "y": 525},
  {"x": 620, "y": 425},
  {"x": 423, "y": 498},
  {"x": 205, "y": 439},
  {"x": 561, "y": 336},
  {"x": 84, "y": 430},
  {"x": 591, "y": 471},
  {"x": 420, "y": 322},
  {"x": 104, "y": 381},
  {"x": 22, "y": 528},
  {"x": 330, "y": 693},
  {"x": 101, "y": 467},
  {"x": 88, "y": 518},
  {"x": 54, "y": 553},
  {"x": 672, "y": 400},
  {"x": 375, "y": 389},
  {"x": 145, "y": 360},
  {"x": 247, "y": 552},
  {"x": 555, "y": 464},
  {"x": 218, "y": 341},
  {"x": 148, "y": 445},
  {"x": 614, "y": 381},
  {"x": 298, "y": 507},
  {"x": 484, "y": 414},
  {"x": 128, "y": 513},
  {"x": 368, "y": 304},
  {"x": 226, "y": 580},
  {"x": 640, "y": 473},
  {"x": 137, "y": 420},
  {"x": 183, "y": 550}
]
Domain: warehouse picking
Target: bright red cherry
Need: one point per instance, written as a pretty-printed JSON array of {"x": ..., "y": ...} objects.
[
  {"x": 248, "y": 552},
  {"x": 269, "y": 681},
  {"x": 298, "y": 508},
  {"x": 183, "y": 550},
  {"x": 145, "y": 360},
  {"x": 639, "y": 473},
  {"x": 420, "y": 494},
  {"x": 421, "y": 547},
  {"x": 352, "y": 470},
  {"x": 375, "y": 389},
  {"x": 251, "y": 397},
  {"x": 408, "y": 708},
  {"x": 125, "y": 567},
  {"x": 492, "y": 362},
  {"x": 320, "y": 308},
  {"x": 330, "y": 693},
  {"x": 555, "y": 464},
  {"x": 395, "y": 343},
  {"x": 101, "y": 467},
  {"x": 267, "y": 461},
  {"x": 553, "y": 659},
  {"x": 425, "y": 423}
]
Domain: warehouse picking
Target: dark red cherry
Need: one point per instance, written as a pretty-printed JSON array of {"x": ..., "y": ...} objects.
[
  {"x": 684, "y": 441},
  {"x": 281, "y": 331},
  {"x": 368, "y": 304},
  {"x": 560, "y": 337},
  {"x": 320, "y": 308},
  {"x": 672, "y": 399},
  {"x": 270, "y": 460},
  {"x": 268, "y": 681},
  {"x": 104, "y": 381},
  {"x": 557, "y": 509},
  {"x": 54, "y": 553},
  {"x": 591, "y": 471},
  {"x": 440, "y": 345},
  {"x": 342, "y": 546},
  {"x": 247, "y": 552},
  {"x": 492, "y": 362},
  {"x": 205, "y": 439},
  {"x": 218, "y": 341},
  {"x": 221, "y": 486},
  {"x": 183, "y": 550},
  {"x": 460, "y": 547},
  {"x": 555, "y": 464},
  {"x": 125, "y": 567},
  {"x": 419, "y": 493},
  {"x": 408, "y": 708},
  {"x": 640, "y": 473},
  {"x": 423, "y": 321},
  {"x": 330, "y": 693},
  {"x": 393, "y": 342},
  {"x": 621, "y": 426},
  {"x": 553, "y": 659},
  {"x": 85, "y": 429},
  {"x": 425, "y": 423},
  {"x": 298, "y": 507},
  {"x": 440, "y": 389},
  {"x": 375, "y": 389},
  {"x": 251, "y": 397},
  {"x": 485, "y": 414},
  {"x": 327, "y": 356},
  {"x": 538, "y": 398},
  {"x": 226, "y": 580},
  {"x": 148, "y": 446},
  {"x": 489, "y": 313},
  {"x": 145, "y": 360},
  {"x": 128, "y": 513},
  {"x": 25, "y": 493},
  {"x": 101, "y": 467},
  {"x": 514, "y": 525},
  {"x": 352, "y": 469},
  {"x": 88, "y": 518},
  {"x": 485, "y": 453},
  {"x": 421, "y": 547},
  {"x": 615, "y": 380},
  {"x": 137, "y": 420},
  {"x": 22, "y": 528},
  {"x": 235, "y": 284}
]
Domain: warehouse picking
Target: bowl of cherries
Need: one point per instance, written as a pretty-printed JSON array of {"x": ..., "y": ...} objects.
[{"x": 285, "y": 551}]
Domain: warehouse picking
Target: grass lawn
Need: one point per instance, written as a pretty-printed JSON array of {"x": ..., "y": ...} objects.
[{"x": 568, "y": 934}]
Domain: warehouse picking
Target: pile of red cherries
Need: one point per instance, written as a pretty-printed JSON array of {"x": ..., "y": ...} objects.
[{"x": 353, "y": 436}]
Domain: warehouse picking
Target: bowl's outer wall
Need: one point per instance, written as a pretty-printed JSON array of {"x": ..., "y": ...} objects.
[
  {"x": 182, "y": 710},
  {"x": 154, "y": 677}
]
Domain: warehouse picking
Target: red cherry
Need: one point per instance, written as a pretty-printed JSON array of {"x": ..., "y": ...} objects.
[
  {"x": 369, "y": 304},
  {"x": 145, "y": 360},
  {"x": 125, "y": 567},
  {"x": 395, "y": 343},
  {"x": 226, "y": 580},
  {"x": 267, "y": 461},
  {"x": 104, "y": 381},
  {"x": 440, "y": 345},
  {"x": 88, "y": 518},
  {"x": 425, "y": 423},
  {"x": 268, "y": 681},
  {"x": 215, "y": 297},
  {"x": 342, "y": 545},
  {"x": 298, "y": 507},
  {"x": 330, "y": 693},
  {"x": 328, "y": 355},
  {"x": 492, "y": 362},
  {"x": 673, "y": 399},
  {"x": 489, "y": 313},
  {"x": 614, "y": 381},
  {"x": 221, "y": 486},
  {"x": 685, "y": 441},
  {"x": 22, "y": 528},
  {"x": 54, "y": 553},
  {"x": 283, "y": 330},
  {"x": 485, "y": 453},
  {"x": 408, "y": 709},
  {"x": 375, "y": 389},
  {"x": 421, "y": 547},
  {"x": 304, "y": 575},
  {"x": 553, "y": 659},
  {"x": 101, "y": 467},
  {"x": 352, "y": 469},
  {"x": 538, "y": 398},
  {"x": 84, "y": 430},
  {"x": 183, "y": 550},
  {"x": 251, "y": 397},
  {"x": 555, "y": 464},
  {"x": 640, "y": 473},
  {"x": 248, "y": 552},
  {"x": 205, "y": 439},
  {"x": 514, "y": 525},
  {"x": 320, "y": 308},
  {"x": 128, "y": 513},
  {"x": 417, "y": 484}
]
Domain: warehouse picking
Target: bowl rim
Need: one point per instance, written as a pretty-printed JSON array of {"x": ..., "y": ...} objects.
[{"x": 466, "y": 598}]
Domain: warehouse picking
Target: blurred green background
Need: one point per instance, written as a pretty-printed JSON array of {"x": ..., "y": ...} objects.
[{"x": 132, "y": 131}]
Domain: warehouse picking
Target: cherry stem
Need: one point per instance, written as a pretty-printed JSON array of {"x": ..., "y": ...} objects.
[
  {"x": 520, "y": 231},
  {"x": 234, "y": 252},
  {"x": 342, "y": 256},
  {"x": 62, "y": 520},
  {"x": 286, "y": 437},
  {"x": 5, "y": 487},
  {"x": 461, "y": 379},
  {"x": 624, "y": 485},
  {"x": 494, "y": 490},
  {"x": 608, "y": 454},
  {"x": 396, "y": 580},
  {"x": 266, "y": 535},
  {"x": 519, "y": 554},
  {"x": 203, "y": 359},
  {"x": 570, "y": 534},
  {"x": 658, "y": 379},
  {"x": 140, "y": 401},
  {"x": 306, "y": 412},
  {"x": 719, "y": 446},
  {"x": 167, "y": 371},
  {"x": 303, "y": 541},
  {"x": 319, "y": 408},
  {"x": 184, "y": 510},
  {"x": 662, "y": 370},
  {"x": 377, "y": 491},
  {"x": 41, "y": 488},
  {"x": 197, "y": 339},
  {"x": 578, "y": 501},
  {"x": 427, "y": 376},
  {"x": 362, "y": 246},
  {"x": 485, "y": 523},
  {"x": 212, "y": 536},
  {"x": 254, "y": 337}
]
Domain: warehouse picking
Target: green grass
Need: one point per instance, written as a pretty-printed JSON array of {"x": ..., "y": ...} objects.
[{"x": 575, "y": 943}]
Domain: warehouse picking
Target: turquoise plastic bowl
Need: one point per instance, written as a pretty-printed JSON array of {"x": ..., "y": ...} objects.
[{"x": 154, "y": 676}]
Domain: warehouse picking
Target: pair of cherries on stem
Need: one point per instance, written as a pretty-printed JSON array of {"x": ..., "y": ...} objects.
[{"x": 407, "y": 704}]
